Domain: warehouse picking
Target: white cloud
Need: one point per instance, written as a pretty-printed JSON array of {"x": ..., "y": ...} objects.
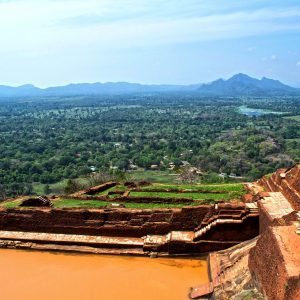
[
  {"x": 298, "y": 63},
  {"x": 273, "y": 57},
  {"x": 102, "y": 37},
  {"x": 29, "y": 24}
]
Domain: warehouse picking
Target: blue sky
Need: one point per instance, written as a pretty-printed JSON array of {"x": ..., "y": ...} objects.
[{"x": 149, "y": 41}]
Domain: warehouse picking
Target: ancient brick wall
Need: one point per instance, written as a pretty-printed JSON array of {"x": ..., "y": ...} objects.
[
  {"x": 274, "y": 266},
  {"x": 127, "y": 198},
  {"x": 96, "y": 189},
  {"x": 142, "y": 199},
  {"x": 124, "y": 222},
  {"x": 286, "y": 181},
  {"x": 233, "y": 231},
  {"x": 111, "y": 222},
  {"x": 203, "y": 246}
]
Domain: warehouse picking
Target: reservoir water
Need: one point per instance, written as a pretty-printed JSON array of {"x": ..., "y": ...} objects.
[
  {"x": 256, "y": 112},
  {"x": 43, "y": 276}
]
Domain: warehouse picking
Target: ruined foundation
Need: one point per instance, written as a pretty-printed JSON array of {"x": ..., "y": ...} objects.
[
  {"x": 267, "y": 267},
  {"x": 186, "y": 231}
]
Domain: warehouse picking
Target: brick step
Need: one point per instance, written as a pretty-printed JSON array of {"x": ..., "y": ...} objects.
[{"x": 53, "y": 238}]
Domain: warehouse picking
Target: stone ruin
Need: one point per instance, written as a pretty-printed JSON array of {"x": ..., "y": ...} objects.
[
  {"x": 41, "y": 201},
  {"x": 186, "y": 231},
  {"x": 267, "y": 267}
]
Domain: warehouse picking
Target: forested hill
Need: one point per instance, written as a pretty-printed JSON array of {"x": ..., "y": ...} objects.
[{"x": 238, "y": 85}]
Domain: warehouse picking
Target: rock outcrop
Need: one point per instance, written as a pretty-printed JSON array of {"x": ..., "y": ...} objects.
[{"x": 286, "y": 181}]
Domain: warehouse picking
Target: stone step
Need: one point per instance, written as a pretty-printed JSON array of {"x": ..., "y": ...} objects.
[
  {"x": 185, "y": 236},
  {"x": 203, "y": 230},
  {"x": 156, "y": 240},
  {"x": 71, "y": 238}
]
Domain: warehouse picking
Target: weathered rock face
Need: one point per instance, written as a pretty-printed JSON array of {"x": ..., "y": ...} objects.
[
  {"x": 286, "y": 181},
  {"x": 229, "y": 275},
  {"x": 236, "y": 282},
  {"x": 275, "y": 261}
]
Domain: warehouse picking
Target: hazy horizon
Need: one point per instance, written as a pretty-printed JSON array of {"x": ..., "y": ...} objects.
[
  {"x": 141, "y": 83},
  {"x": 54, "y": 43}
]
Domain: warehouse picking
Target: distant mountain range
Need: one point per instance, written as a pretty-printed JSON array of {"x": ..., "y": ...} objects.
[
  {"x": 244, "y": 85},
  {"x": 238, "y": 85}
]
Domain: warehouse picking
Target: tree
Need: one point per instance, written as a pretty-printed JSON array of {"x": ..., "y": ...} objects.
[
  {"x": 47, "y": 189},
  {"x": 188, "y": 175},
  {"x": 72, "y": 186},
  {"x": 2, "y": 193}
]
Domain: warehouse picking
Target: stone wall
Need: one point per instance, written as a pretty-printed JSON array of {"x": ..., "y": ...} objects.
[
  {"x": 127, "y": 198},
  {"x": 286, "y": 181},
  {"x": 233, "y": 232},
  {"x": 110, "y": 222},
  {"x": 275, "y": 260},
  {"x": 129, "y": 222},
  {"x": 96, "y": 189},
  {"x": 275, "y": 263}
]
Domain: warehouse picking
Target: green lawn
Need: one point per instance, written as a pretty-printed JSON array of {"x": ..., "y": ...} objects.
[
  {"x": 75, "y": 203},
  {"x": 11, "y": 204},
  {"x": 56, "y": 188},
  {"x": 229, "y": 191},
  {"x": 165, "y": 177},
  {"x": 238, "y": 187},
  {"x": 194, "y": 196},
  {"x": 64, "y": 203},
  {"x": 119, "y": 187}
]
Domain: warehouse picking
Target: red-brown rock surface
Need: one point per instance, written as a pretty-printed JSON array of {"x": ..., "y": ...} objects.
[
  {"x": 275, "y": 261},
  {"x": 286, "y": 181}
]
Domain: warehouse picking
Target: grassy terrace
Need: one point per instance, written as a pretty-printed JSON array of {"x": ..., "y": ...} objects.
[
  {"x": 208, "y": 187},
  {"x": 75, "y": 203},
  {"x": 98, "y": 204},
  {"x": 119, "y": 187},
  {"x": 194, "y": 196},
  {"x": 226, "y": 192}
]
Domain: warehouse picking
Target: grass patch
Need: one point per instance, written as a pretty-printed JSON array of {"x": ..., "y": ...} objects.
[
  {"x": 68, "y": 203},
  {"x": 230, "y": 191},
  {"x": 65, "y": 203},
  {"x": 295, "y": 118},
  {"x": 237, "y": 187},
  {"x": 11, "y": 204},
  {"x": 155, "y": 176},
  {"x": 112, "y": 196},
  {"x": 112, "y": 189},
  {"x": 56, "y": 188},
  {"x": 194, "y": 196}
]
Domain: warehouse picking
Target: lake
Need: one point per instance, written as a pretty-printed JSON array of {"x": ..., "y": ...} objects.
[{"x": 256, "y": 112}]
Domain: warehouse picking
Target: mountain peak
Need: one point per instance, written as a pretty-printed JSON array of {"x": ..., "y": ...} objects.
[
  {"x": 240, "y": 77},
  {"x": 27, "y": 86},
  {"x": 244, "y": 85}
]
